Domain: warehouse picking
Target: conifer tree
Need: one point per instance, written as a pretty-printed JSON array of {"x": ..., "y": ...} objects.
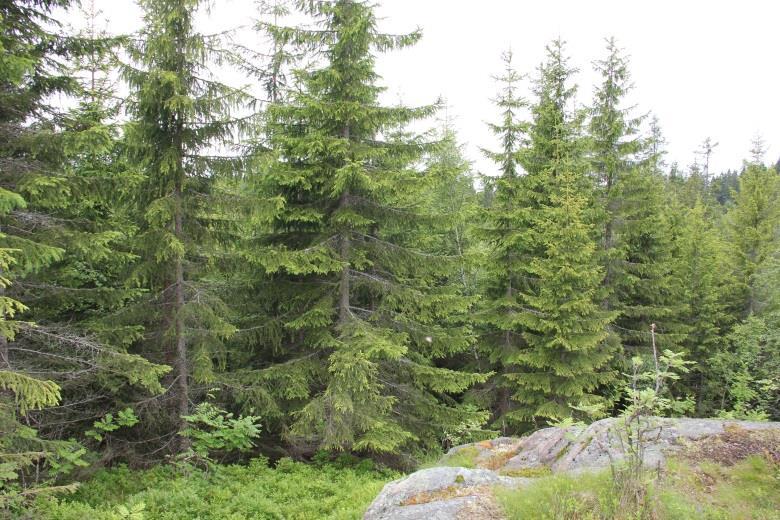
[
  {"x": 77, "y": 296},
  {"x": 511, "y": 130},
  {"x": 753, "y": 223},
  {"x": 498, "y": 314},
  {"x": 615, "y": 148},
  {"x": 68, "y": 238},
  {"x": 635, "y": 245},
  {"x": 362, "y": 316},
  {"x": 29, "y": 73},
  {"x": 701, "y": 270},
  {"x": 181, "y": 118},
  {"x": 564, "y": 329},
  {"x": 50, "y": 236}
]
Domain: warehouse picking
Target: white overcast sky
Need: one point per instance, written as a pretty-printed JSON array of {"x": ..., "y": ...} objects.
[{"x": 705, "y": 68}]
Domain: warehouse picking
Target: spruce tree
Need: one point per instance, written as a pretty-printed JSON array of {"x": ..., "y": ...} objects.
[
  {"x": 181, "y": 121},
  {"x": 752, "y": 225},
  {"x": 564, "y": 329},
  {"x": 29, "y": 73},
  {"x": 503, "y": 224},
  {"x": 635, "y": 243},
  {"x": 69, "y": 240},
  {"x": 364, "y": 318},
  {"x": 615, "y": 147},
  {"x": 56, "y": 253},
  {"x": 701, "y": 271},
  {"x": 511, "y": 130}
]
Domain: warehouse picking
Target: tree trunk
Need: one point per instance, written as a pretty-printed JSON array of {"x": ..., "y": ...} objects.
[
  {"x": 5, "y": 360},
  {"x": 344, "y": 253},
  {"x": 182, "y": 369}
]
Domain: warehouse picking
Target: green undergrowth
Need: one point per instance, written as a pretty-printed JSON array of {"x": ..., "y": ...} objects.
[
  {"x": 749, "y": 489},
  {"x": 290, "y": 490}
]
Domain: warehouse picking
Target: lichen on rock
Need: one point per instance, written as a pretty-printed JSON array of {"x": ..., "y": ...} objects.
[{"x": 456, "y": 493}]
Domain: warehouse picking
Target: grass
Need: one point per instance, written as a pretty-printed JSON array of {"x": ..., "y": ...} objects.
[
  {"x": 748, "y": 489},
  {"x": 535, "y": 472},
  {"x": 463, "y": 458},
  {"x": 290, "y": 491}
]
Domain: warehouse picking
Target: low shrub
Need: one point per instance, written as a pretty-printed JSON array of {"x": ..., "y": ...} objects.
[{"x": 290, "y": 490}]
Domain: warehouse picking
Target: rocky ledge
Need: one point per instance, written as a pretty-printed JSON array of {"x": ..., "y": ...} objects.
[{"x": 461, "y": 486}]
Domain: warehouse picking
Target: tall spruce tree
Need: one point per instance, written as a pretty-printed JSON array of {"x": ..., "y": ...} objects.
[
  {"x": 76, "y": 296},
  {"x": 564, "y": 329},
  {"x": 635, "y": 245},
  {"x": 615, "y": 147},
  {"x": 181, "y": 122},
  {"x": 59, "y": 246},
  {"x": 502, "y": 226},
  {"x": 362, "y": 315}
]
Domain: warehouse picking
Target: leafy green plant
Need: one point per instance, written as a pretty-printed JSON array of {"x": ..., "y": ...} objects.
[
  {"x": 108, "y": 424},
  {"x": 211, "y": 429},
  {"x": 637, "y": 425}
]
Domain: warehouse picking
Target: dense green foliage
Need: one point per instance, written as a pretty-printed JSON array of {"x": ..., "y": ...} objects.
[
  {"x": 290, "y": 490},
  {"x": 205, "y": 272},
  {"x": 360, "y": 302}
]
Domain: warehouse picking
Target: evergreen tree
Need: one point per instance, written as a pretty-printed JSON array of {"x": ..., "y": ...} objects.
[
  {"x": 566, "y": 341},
  {"x": 498, "y": 315},
  {"x": 701, "y": 268},
  {"x": 76, "y": 296},
  {"x": 29, "y": 72},
  {"x": 181, "y": 120},
  {"x": 363, "y": 315},
  {"x": 630, "y": 188},
  {"x": 637, "y": 257},
  {"x": 510, "y": 131},
  {"x": 58, "y": 259},
  {"x": 615, "y": 148},
  {"x": 753, "y": 226}
]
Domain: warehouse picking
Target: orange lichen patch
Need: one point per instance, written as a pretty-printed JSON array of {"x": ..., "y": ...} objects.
[
  {"x": 499, "y": 459},
  {"x": 447, "y": 493},
  {"x": 488, "y": 444},
  {"x": 735, "y": 444}
]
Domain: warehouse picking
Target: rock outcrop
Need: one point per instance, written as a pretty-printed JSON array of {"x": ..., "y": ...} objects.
[{"x": 461, "y": 487}]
